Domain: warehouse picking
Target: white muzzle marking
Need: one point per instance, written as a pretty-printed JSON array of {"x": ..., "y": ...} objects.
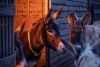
[{"x": 60, "y": 47}]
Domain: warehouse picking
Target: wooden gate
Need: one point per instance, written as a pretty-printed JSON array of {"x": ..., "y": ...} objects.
[{"x": 7, "y": 54}]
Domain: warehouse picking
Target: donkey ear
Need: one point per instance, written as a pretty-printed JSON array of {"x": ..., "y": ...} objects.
[
  {"x": 57, "y": 13},
  {"x": 86, "y": 18},
  {"x": 72, "y": 19},
  {"x": 21, "y": 28},
  {"x": 49, "y": 13}
]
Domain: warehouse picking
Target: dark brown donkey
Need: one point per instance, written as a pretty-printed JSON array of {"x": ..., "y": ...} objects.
[
  {"x": 33, "y": 40},
  {"x": 77, "y": 30},
  {"x": 77, "y": 26}
]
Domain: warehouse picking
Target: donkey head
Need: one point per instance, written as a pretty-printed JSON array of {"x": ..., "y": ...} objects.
[
  {"x": 76, "y": 23},
  {"x": 50, "y": 33},
  {"x": 53, "y": 34},
  {"x": 77, "y": 26}
]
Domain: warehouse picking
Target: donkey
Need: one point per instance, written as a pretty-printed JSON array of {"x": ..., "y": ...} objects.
[
  {"x": 77, "y": 31},
  {"x": 90, "y": 56},
  {"x": 88, "y": 36},
  {"x": 40, "y": 35},
  {"x": 77, "y": 28}
]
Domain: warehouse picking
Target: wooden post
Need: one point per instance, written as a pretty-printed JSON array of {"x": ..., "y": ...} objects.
[
  {"x": 48, "y": 49},
  {"x": 47, "y": 57},
  {"x": 92, "y": 14},
  {"x": 88, "y": 5}
]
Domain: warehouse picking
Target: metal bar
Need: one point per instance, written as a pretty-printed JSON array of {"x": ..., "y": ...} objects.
[
  {"x": 7, "y": 50},
  {"x": 12, "y": 34},
  {"x": 0, "y": 38},
  {"x": 9, "y": 37},
  {"x": 5, "y": 35},
  {"x": 4, "y": 52}
]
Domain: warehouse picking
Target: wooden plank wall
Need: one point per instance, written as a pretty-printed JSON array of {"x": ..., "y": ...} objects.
[
  {"x": 29, "y": 11},
  {"x": 78, "y": 6}
]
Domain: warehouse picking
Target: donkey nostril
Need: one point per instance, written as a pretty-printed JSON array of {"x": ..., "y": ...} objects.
[{"x": 60, "y": 47}]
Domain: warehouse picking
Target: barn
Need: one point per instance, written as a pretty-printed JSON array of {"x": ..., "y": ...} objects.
[{"x": 14, "y": 12}]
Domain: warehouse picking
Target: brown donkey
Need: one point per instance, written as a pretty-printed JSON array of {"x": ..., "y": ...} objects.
[{"x": 36, "y": 38}]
